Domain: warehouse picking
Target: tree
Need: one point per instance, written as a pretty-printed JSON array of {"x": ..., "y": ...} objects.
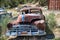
[
  {"x": 43, "y": 2},
  {"x": 14, "y": 3}
]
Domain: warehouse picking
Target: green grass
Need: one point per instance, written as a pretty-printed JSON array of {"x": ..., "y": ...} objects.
[
  {"x": 3, "y": 23},
  {"x": 50, "y": 19}
]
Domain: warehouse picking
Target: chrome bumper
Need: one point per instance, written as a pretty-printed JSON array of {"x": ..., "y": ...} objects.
[{"x": 38, "y": 33}]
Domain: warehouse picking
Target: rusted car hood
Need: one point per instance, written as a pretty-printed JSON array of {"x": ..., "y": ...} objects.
[{"x": 29, "y": 17}]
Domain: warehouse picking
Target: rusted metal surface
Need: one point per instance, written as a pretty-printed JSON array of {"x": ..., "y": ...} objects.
[
  {"x": 30, "y": 8},
  {"x": 40, "y": 24},
  {"x": 54, "y": 4}
]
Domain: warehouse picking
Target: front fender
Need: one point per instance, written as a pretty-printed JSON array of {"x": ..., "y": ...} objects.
[{"x": 40, "y": 24}]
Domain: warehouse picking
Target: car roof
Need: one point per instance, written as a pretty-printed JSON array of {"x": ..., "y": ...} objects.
[{"x": 30, "y": 8}]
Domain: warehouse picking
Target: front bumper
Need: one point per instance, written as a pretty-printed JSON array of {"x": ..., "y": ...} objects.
[
  {"x": 17, "y": 32},
  {"x": 39, "y": 33}
]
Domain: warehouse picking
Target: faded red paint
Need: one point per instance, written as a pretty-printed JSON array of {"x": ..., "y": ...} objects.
[{"x": 31, "y": 18}]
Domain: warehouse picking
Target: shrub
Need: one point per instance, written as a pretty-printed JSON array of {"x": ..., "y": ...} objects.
[
  {"x": 3, "y": 38},
  {"x": 15, "y": 3},
  {"x": 43, "y": 2},
  {"x": 50, "y": 19},
  {"x": 4, "y": 22}
]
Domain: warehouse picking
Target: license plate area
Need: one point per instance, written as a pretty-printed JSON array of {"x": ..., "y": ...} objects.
[{"x": 24, "y": 33}]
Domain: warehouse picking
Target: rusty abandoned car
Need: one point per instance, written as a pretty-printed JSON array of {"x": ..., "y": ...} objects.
[{"x": 30, "y": 23}]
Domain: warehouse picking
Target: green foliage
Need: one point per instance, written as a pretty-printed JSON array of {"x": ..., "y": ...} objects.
[
  {"x": 50, "y": 19},
  {"x": 14, "y": 3},
  {"x": 43, "y": 2},
  {"x": 3, "y": 27},
  {"x": 3, "y": 38},
  {"x": 4, "y": 22}
]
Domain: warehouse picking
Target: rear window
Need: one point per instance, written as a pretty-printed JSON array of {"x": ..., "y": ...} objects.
[{"x": 33, "y": 11}]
